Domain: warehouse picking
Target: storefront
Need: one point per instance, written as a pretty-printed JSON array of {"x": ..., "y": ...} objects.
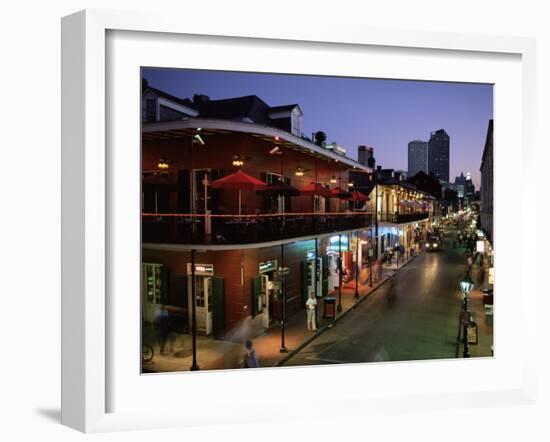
[
  {"x": 209, "y": 300},
  {"x": 266, "y": 290},
  {"x": 317, "y": 272},
  {"x": 232, "y": 286},
  {"x": 390, "y": 236},
  {"x": 338, "y": 247}
]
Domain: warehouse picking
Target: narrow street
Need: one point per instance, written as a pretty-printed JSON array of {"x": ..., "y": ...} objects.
[{"x": 413, "y": 316}]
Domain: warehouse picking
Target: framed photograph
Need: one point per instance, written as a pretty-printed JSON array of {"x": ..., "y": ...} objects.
[{"x": 247, "y": 211}]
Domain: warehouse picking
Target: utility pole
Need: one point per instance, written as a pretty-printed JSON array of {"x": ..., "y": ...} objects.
[{"x": 356, "y": 296}]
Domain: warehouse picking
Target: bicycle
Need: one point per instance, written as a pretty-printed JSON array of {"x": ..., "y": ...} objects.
[{"x": 147, "y": 353}]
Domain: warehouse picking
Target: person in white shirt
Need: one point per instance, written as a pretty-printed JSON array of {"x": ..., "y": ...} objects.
[{"x": 311, "y": 308}]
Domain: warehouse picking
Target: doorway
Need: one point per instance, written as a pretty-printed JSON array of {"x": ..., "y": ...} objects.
[
  {"x": 265, "y": 290},
  {"x": 203, "y": 303}
]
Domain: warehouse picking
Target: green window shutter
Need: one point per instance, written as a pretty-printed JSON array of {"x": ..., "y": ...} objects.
[
  {"x": 164, "y": 286},
  {"x": 256, "y": 294},
  {"x": 324, "y": 284},
  {"x": 218, "y": 308}
]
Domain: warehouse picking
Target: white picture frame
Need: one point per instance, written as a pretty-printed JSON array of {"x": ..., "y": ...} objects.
[{"x": 87, "y": 236}]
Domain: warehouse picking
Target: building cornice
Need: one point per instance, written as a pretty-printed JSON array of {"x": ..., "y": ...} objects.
[{"x": 172, "y": 129}]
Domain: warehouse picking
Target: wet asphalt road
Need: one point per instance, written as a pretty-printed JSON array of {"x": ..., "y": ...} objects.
[{"x": 412, "y": 316}]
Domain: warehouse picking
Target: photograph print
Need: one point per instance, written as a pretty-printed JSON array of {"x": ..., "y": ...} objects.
[{"x": 297, "y": 220}]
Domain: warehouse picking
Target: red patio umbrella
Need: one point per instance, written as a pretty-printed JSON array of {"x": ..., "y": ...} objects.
[
  {"x": 278, "y": 188},
  {"x": 240, "y": 181},
  {"x": 339, "y": 193},
  {"x": 315, "y": 189},
  {"x": 357, "y": 196}
]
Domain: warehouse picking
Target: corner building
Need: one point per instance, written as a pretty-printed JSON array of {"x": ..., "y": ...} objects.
[{"x": 237, "y": 239}]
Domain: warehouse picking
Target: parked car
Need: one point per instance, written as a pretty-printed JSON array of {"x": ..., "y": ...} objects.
[{"x": 433, "y": 244}]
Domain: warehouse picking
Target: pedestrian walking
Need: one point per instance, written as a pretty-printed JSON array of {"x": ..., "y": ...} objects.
[
  {"x": 311, "y": 308},
  {"x": 469, "y": 261},
  {"x": 162, "y": 326},
  {"x": 250, "y": 359}
]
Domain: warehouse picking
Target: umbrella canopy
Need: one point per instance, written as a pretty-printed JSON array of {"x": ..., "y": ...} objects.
[
  {"x": 279, "y": 188},
  {"x": 158, "y": 181},
  {"x": 315, "y": 189},
  {"x": 339, "y": 193},
  {"x": 239, "y": 181},
  {"x": 357, "y": 196}
]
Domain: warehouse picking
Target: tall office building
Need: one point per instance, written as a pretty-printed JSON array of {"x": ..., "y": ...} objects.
[
  {"x": 438, "y": 155},
  {"x": 364, "y": 153},
  {"x": 418, "y": 157}
]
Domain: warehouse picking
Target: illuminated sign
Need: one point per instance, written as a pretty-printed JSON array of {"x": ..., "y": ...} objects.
[
  {"x": 268, "y": 266},
  {"x": 337, "y": 243},
  {"x": 201, "y": 269},
  {"x": 480, "y": 246}
]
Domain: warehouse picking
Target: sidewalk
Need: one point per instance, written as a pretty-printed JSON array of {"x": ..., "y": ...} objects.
[
  {"x": 217, "y": 354},
  {"x": 484, "y": 321}
]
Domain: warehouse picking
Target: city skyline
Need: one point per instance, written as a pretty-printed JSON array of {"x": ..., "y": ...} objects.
[{"x": 385, "y": 114}]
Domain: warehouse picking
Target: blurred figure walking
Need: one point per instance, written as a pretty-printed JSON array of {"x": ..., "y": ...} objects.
[
  {"x": 250, "y": 359},
  {"x": 162, "y": 326}
]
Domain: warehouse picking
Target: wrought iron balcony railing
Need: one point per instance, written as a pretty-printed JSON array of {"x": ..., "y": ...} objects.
[
  {"x": 401, "y": 218},
  {"x": 245, "y": 229}
]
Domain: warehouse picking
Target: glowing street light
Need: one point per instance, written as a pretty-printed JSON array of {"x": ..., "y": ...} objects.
[{"x": 466, "y": 286}]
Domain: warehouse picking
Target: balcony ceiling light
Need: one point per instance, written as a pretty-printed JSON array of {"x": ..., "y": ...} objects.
[{"x": 163, "y": 164}]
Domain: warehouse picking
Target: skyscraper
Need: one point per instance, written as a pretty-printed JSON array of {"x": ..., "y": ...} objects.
[
  {"x": 438, "y": 155},
  {"x": 418, "y": 157}
]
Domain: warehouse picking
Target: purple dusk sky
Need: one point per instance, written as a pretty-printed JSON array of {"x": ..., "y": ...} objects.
[{"x": 385, "y": 114}]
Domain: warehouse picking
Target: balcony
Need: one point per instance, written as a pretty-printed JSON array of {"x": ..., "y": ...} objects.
[
  {"x": 246, "y": 229},
  {"x": 402, "y": 218}
]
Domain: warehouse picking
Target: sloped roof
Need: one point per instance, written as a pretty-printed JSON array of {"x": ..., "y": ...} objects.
[
  {"x": 238, "y": 108},
  {"x": 183, "y": 101},
  {"x": 249, "y": 106}
]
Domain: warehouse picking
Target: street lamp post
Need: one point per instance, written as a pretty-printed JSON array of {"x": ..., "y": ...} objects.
[
  {"x": 194, "y": 365},
  {"x": 371, "y": 255},
  {"x": 282, "y": 271},
  {"x": 356, "y": 295},
  {"x": 466, "y": 285},
  {"x": 375, "y": 215},
  {"x": 339, "y": 307}
]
